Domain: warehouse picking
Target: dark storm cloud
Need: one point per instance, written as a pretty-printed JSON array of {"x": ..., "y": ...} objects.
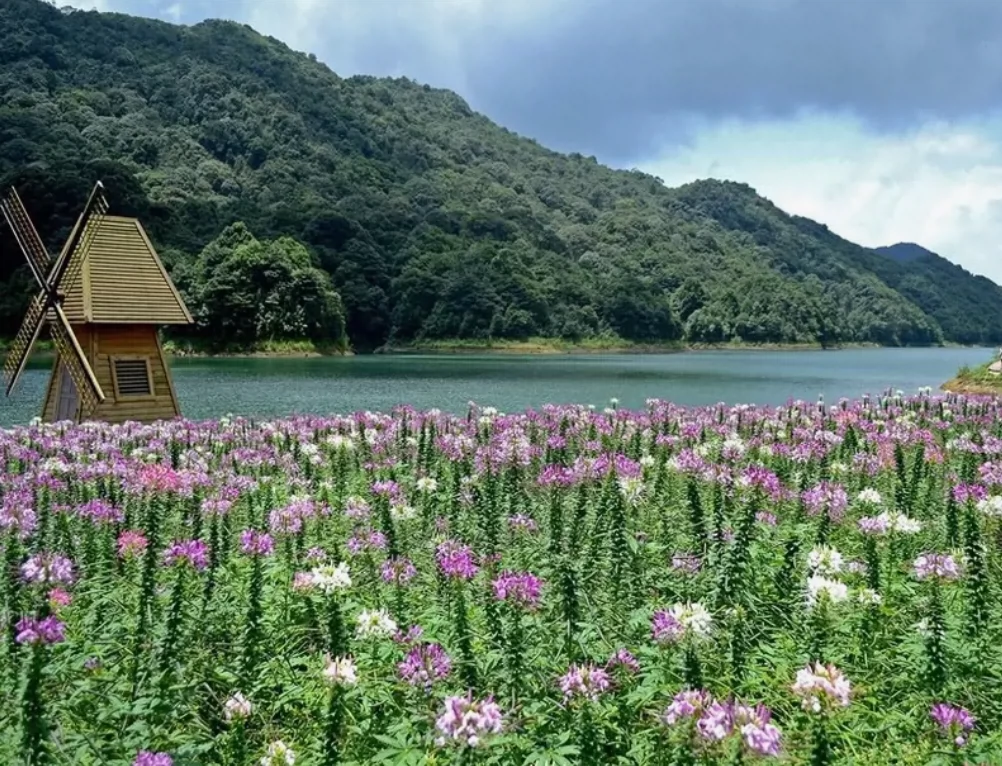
[{"x": 613, "y": 77}]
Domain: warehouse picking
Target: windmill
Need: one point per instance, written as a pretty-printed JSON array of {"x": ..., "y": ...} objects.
[{"x": 102, "y": 299}]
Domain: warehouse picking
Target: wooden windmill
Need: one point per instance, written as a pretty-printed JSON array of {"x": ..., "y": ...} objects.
[{"x": 103, "y": 299}]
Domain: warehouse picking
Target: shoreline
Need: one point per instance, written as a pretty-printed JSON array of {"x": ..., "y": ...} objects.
[
  {"x": 537, "y": 347},
  {"x": 979, "y": 380}
]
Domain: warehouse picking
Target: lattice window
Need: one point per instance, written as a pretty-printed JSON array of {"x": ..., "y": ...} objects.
[{"x": 132, "y": 377}]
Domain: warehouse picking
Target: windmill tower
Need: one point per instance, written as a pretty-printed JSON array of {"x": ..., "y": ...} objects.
[{"x": 103, "y": 299}]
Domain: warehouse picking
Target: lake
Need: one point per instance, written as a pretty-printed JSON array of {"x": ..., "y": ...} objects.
[{"x": 210, "y": 388}]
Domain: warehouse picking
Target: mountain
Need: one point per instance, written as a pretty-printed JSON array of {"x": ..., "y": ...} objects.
[
  {"x": 429, "y": 220},
  {"x": 905, "y": 252},
  {"x": 945, "y": 291}
]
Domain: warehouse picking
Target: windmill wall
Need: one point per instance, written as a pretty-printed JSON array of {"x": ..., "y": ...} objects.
[{"x": 131, "y": 368}]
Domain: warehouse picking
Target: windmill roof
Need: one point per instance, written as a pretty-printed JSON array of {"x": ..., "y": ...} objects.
[{"x": 121, "y": 280}]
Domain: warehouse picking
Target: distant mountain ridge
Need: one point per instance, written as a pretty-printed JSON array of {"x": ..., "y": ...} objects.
[
  {"x": 431, "y": 221},
  {"x": 905, "y": 251}
]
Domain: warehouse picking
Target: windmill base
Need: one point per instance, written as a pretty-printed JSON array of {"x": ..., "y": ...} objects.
[{"x": 130, "y": 366}]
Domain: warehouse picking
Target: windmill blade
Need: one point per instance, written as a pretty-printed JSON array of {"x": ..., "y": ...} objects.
[
  {"x": 24, "y": 341},
  {"x": 76, "y": 363},
  {"x": 26, "y": 235},
  {"x": 74, "y": 253}
]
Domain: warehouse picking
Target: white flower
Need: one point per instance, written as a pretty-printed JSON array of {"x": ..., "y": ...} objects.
[
  {"x": 904, "y": 524},
  {"x": 403, "y": 512},
  {"x": 632, "y": 488},
  {"x": 868, "y": 596},
  {"x": 991, "y": 506},
  {"x": 869, "y": 496},
  {"x": 817, "y": 585},
  {"x": 734, "y": 445},
  {"x": 694, "y": 617},
  {"x": 823, "y": 560},
  {"x": 647, "y": 460},
  {"x": 329, "y": 578},
  {"x": 375, "y": 623},
  {"x": 341, "y": 671},
  {"x": 279, "y": 753},
  {"x": 340, "y": 442},
  {"x": 237, "y": 706},
  {"x": 427, "y": 484}
]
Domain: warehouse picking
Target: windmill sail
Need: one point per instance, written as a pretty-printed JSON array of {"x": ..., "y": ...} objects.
[
  {"x": 47, "y": 302},
  {"x": 20, "y": 349},
  {"x": 26, "y": 234},
  {"x": 72, "y": 356}
]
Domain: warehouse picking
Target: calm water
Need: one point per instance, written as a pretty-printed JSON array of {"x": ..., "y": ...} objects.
[{"x": 210, "y": 388}]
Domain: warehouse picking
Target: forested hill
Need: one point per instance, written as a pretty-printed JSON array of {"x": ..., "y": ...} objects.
[{"x": 428, "y": 220}]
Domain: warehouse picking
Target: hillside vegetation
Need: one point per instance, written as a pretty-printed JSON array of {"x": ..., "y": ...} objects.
[{"x": 429, "y": 221}]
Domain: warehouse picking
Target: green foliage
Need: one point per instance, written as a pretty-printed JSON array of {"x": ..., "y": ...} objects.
[
  {"x": 241, "y": 291},
  {"x": 433, "y": 223}
]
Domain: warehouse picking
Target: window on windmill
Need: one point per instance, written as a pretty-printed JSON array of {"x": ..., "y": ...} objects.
[{"x": 132, "y": 377}]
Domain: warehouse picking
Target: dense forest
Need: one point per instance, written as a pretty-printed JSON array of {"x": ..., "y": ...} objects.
[{"x": 291, "y": 203}]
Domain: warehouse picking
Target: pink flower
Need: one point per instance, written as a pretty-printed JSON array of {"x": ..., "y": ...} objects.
[
  {"x": 58, "y": 597},
  {"x": 149, "y": 758},
  {"x": 131, "y": 543}
]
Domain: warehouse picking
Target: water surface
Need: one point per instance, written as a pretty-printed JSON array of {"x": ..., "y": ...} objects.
[{"x": 211, "y": 388}]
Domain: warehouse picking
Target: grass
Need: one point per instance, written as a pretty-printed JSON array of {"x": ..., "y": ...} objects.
[
  {"x": 601, "y": 344},
  {"x": 262, "y": 348},
  {"x": 974, "y": 380}
]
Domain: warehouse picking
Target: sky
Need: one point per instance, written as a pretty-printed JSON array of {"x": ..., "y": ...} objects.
[{"x": 880, "y": 118}]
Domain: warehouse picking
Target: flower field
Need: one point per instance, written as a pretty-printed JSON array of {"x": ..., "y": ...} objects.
[{"x": 807, "y": 584}]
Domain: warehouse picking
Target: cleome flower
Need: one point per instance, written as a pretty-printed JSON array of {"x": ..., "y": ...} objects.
[
  {"x": 330, "y": 578},
  {"x": 375, "y": 623},
  {"x": 468, "y": 722},
  {"x": 822, "y": 687},
  {"x": 341, "y": 671},
  {"x": 689, "y": 620}
]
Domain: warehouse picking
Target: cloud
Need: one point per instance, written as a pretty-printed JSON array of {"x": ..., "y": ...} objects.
[
  {"x": 618, "y": 76},
  {"x": 939, "y": 184}
]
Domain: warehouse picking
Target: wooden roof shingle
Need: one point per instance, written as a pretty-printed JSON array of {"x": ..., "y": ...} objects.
[{"x": 121, "y": 279}]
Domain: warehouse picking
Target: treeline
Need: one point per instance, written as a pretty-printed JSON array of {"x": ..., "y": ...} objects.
[{"x": 391, "y": 210}]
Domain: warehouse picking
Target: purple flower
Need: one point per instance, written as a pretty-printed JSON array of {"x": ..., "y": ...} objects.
[
  {"x": 398, "y": 570},
  {"x": 456, "y": 560},
  {"x": 100, "y": 512},
  {"x": 425, "y": 664},
  {"x": 584, "y": 682},
  {"x": 194, "y": 552},
  {"x": 519, "y": 588},
  {"x": 688, "y": 563},
  {"x": 666, "y": 628},
  {"x": 149, "y": 758},
  {"x": 47, "y": 568},
  {"x": 954, "y": 722},
  {"x": 622, "y": 658},
  {"x": 936, "y": 565},
  {"x": 467, "y": 721},
  {"x": 255, "y": 543},
  {"x": 49, "y": 630},
  {"x": 520, "y": 522},
  {"x": 686, "y": 704}
]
